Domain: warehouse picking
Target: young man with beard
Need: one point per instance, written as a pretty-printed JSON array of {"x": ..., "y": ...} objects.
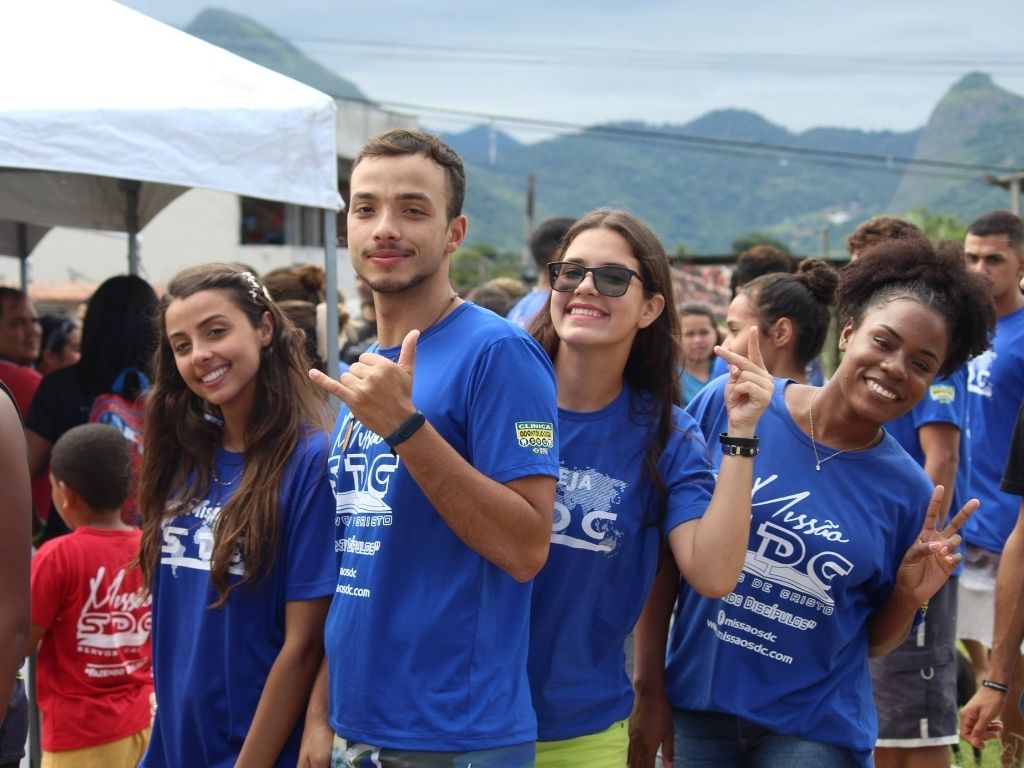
[{"x": 443, "y": 464}]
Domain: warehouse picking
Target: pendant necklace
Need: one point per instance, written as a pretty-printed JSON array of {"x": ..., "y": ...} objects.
[
  {"x": 225, "y": 483},
  {"x": 814, "y": 444}
]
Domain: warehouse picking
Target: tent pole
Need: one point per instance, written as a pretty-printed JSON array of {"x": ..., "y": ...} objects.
[
  {"x": 22, "y": 235},
  {"x": 131, "y": 220},
  {"x": 331, "y": 270}
]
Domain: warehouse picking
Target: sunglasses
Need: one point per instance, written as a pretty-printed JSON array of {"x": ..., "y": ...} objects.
[{"x": 610, "y": 280}]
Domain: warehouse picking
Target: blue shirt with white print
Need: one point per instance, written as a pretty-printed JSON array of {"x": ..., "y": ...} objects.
[
  {"x": 426, "y": 640},
  {"x": 788, "y": 648},
  {"x": 604, "y": 551},
  {"x": 995, "y": 386},
  {"x": 210, "y": 664}
]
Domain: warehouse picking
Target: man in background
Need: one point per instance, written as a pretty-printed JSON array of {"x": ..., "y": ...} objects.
[{"x": 543, "y": 247}]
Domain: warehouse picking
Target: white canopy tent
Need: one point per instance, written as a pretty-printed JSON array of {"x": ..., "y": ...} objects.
[{"x": 106, "y": 115}]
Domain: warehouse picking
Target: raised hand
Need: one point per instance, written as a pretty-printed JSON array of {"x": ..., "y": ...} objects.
[
  {"x": 931, "y": 559},
  {"x": 749, "y": 389},
  {"x": 377, "y": 391}
]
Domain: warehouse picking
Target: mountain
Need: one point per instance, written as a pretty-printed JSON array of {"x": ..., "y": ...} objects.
[
  {"x": 714, "y": 179},
  {"x": 694, "y": 194},
  {"x": 244, "y": 37},
  {"x": 975, "y": 122}
]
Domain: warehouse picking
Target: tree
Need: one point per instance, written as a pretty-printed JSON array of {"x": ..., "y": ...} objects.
[
  {"x": 748, "y": 241},
  {"x": 938, "y": 226},
  {"x": 476, "y": 264}
]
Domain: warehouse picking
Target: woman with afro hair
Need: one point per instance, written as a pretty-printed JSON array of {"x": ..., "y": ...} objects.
[{"x": 844, "y": 547}]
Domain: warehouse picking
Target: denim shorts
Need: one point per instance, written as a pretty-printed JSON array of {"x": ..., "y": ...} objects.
[{"x": 717, "y": 740}]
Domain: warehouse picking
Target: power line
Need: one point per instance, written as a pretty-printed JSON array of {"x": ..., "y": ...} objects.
[
  {"x": 645, "y": 58},
  {"x": 857, "y": 160}
]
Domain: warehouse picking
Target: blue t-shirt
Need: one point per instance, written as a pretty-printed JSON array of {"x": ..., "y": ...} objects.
[
  {"x": 426, "y": 640},
  {"x": 788, "y": 648},
  {"x": 210, "y": 664},
  {"x": 690, "y": 385},
  {"x": 604, "y": 551},
  {"x": 945, "y": 403},
  {"x": 718, "y": 367},
  {"x": 524, "y": 310},
  {"x": 995, "y": 384}
]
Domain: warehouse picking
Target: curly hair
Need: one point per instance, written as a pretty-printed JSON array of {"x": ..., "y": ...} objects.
[
  {"x": 182, "y": 434},
  {"x": 935, "y": 276},
  {"x": 878, "y": 229},
  {"x": 804, "y": 297}
]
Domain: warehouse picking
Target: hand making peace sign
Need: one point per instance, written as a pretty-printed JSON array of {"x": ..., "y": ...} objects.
[{"x": 750, "y": 386}]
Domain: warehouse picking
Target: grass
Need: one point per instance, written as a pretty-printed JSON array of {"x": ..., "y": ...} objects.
[{"x": 989, "y": 758}]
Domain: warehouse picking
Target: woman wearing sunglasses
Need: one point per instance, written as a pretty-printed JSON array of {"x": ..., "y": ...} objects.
[{"x": 634, "y": 472}]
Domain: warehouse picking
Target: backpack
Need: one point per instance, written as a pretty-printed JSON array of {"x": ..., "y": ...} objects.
[{"x": 126, "y": 416}]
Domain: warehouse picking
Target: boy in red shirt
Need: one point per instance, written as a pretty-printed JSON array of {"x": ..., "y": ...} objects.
[{"x": 93, "y": 683}]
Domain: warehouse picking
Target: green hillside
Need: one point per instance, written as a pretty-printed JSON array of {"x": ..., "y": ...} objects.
[
  {"x": 244, "y": 37},
  {"x": 698, "y": 198},
  {"x": 704, "y": 197},
  {"x": 976, "y": 122}
]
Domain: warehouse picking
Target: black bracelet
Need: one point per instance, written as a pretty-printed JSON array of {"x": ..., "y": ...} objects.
[
  {"x": 406, "y": 430},
  {"x": 996, "y": 686},
  {"x": 739, "y": 446}
]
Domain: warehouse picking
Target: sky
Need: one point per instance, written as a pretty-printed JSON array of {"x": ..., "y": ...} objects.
[{"x": 873, "y": 64}]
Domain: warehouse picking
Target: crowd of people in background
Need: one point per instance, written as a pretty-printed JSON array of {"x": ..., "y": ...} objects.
[{"x": 441, "y": 556}]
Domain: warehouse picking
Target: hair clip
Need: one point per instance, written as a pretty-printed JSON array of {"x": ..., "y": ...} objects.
[{"x": 254, "y": 286}]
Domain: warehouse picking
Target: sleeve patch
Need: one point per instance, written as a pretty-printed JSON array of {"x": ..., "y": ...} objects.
[
  {"x": 538, "y": 436},
  {"x": 943, "y": 394}
]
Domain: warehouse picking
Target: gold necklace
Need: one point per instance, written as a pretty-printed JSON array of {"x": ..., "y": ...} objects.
[
  {"x": 814, "y": 445},
  {"x": 225, "y": 483}
]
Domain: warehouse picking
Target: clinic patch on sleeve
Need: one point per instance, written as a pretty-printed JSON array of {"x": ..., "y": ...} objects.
[
  {"x": 943, "y": 394},
  {"x": 539, "y": 436}
]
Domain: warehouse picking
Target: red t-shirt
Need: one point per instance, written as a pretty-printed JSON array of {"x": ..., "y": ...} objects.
[
  {"x": 23, "y": 383},
  {"x": 94, "y": 677}
]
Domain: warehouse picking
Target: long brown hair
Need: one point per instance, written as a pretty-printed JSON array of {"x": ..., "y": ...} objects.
[
  {"x": 653, "y": 362},
  {"x": 182, "y": 434}
]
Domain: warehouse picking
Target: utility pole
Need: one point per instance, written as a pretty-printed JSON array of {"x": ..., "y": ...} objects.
[
  {"x": 1011, "y": 182},
  {"x": 529, "y": 268}
]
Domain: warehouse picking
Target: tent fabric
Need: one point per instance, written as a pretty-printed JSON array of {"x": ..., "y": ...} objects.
[
  {"x": 15, "y": 243},
  {"x": 95, "y": 92},
  {"x": 77, "y": 200}
]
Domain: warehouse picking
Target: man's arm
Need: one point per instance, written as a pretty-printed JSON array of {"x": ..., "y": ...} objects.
[
  {"x": 940, "y": 442},
  {"x": 508, "y": 524},
  {"x": 317, "y": 734},
  {"x": 1006, "y": 638},
  {"x": 650, "y": 722}
]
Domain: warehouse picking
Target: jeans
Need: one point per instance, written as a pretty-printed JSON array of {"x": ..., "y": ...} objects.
[{"x": 717, "y": 740}]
